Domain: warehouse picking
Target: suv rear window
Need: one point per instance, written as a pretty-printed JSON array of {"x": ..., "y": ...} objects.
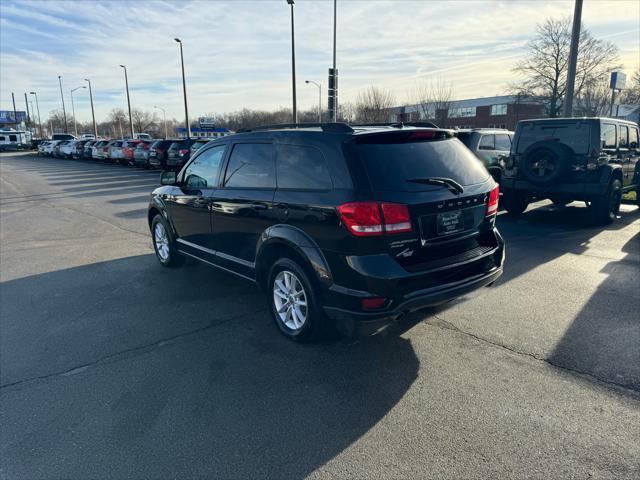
[
  {"x": 390, "y": 165},
  {"x": 302, "y": 168},
  {"x": 251, "y": 166},
  {"x": 573, "y": 134}
]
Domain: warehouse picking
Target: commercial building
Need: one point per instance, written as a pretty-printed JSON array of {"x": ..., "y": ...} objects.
[{"x": 491, "y": 112}]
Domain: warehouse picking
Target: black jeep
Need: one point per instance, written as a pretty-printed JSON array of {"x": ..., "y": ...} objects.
[
  {"x": 351, "y": 225},
  {"x": 594, "y": 160}
]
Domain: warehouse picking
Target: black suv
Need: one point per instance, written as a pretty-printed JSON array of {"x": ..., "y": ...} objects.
[
  {"x": 344, "y": 226},
  {"x": 564, "y": 159}
]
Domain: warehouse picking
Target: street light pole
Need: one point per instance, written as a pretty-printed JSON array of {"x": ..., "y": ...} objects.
[
  {"x": 293, "y": 64},
  {"x": 38, "y": 108},
  {"x": 73, "y": 109},
  {"x": 93, "y": 113},
  {"x": 184, "y": 90},
  {"x": 335, "y": 86},
  {"x": 64, "y": 112},
  {"x": 573, "y": 59},
  {"x": 164, "y": 114},
  {"x": 319, "y": 85},
  {"x": 126, "y": 82}
]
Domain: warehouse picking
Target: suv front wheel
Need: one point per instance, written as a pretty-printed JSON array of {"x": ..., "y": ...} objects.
[
  {"x": 293, "y": 301},
  {"x": 163, "y": 243},
  {"x": 605, "y": 207}
]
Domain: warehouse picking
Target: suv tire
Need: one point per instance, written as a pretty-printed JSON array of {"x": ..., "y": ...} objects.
[
  {"x": 293, "y": 302},
  {"x": 163, "y": 243},
  {"x": 605, "y": 207},
  {"x": 545, "y": 163},
  {"x": 515, "y": 202}
]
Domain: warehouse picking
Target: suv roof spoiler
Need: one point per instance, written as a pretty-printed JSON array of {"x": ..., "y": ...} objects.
[{"x": 337, "y": 127}]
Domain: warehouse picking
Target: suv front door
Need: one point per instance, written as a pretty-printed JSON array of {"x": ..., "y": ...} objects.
[
  {"x": 243, "y": 207},
  {"x": 189, "y": 204}
]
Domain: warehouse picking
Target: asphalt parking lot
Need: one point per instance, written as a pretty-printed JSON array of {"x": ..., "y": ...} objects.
[{"x": 113, "y": 367}]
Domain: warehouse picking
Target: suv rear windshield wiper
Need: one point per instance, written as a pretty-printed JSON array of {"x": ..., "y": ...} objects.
[{"x": 452, "y": 185}]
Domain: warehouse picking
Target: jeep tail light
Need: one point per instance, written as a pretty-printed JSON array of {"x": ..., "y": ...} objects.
[
  {"x": 372, "y": 218},
  {"x": 183, "y": 152},
  {"x": 492, "y": 204}
]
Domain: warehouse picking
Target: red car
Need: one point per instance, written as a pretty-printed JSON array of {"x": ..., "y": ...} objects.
[{"x": 128, "y": 147}]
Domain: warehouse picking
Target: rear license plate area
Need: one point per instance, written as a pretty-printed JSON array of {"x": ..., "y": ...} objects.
[{"x": 448, "y": 223}]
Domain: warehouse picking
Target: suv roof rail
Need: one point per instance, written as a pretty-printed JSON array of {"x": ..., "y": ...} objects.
[
  {"x": 337, "y": 127},
  {"x": 396, "y": 124}
]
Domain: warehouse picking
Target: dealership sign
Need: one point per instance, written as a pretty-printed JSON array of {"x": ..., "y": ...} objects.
[
  {"x": 618, "y": 81},
  {"x": 207, "y": 122},
  {"x": 7, "y": 116}
]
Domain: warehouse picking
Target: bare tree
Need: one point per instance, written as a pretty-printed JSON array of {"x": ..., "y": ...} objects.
[
  {"x": 373, "y": 105},
  {"x": 433, "y": 100},
  {"x": 56, "y": 121},
  {"x": 631, "y": 95},
  {"x": 545, "y": 66},
  {"x": 142, "y": 120},
  {"x": 594, "y": 100}
]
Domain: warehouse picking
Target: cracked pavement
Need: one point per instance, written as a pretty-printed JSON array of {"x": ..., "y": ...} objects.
[{"x": 113, "y": 367}]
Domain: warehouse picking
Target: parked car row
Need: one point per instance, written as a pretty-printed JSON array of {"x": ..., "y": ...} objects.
[{"x": 167, "y": 154}]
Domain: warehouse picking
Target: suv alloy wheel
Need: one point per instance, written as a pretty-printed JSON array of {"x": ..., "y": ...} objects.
[
  {"x": 292, "y": 301},
  {"x": 163, "y": 243}
]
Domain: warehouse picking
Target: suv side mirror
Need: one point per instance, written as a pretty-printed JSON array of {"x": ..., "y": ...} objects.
[{"x": 168, "y": 178}]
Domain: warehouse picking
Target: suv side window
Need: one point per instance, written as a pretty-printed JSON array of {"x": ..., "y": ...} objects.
[
  {"x": 251, "y": 165},
  {"x": 13, "y": 138},
  {"x": 503, "y": 142},
  {"x": 202, "y": 172},
  {"x": 608, "y": 135},
  {"x": 633, "y": 137},
  {"x": 623, "y": 136},
  {"x": 302, "y": 168},
  {"x": 487, "y": 142}
]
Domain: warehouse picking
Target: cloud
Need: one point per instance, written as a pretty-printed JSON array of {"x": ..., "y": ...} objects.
[{"x": 237, "y": 53}]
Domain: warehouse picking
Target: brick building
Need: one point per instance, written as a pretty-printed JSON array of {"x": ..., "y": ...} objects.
[{"x": 492, "y": 112}]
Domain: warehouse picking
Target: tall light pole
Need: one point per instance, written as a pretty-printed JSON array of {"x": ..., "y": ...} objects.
[
  {"x": 319, "y": 85},
  {"x": 38, "y": 108},
  {"x": 293, "y": 64},
  {"x": 73, "y": 109},
  {"x": 333, "y": 76},
  {"x": 64, "y": 112},
  {"x": 184, "y": 90},
  {"x": 573, "y": 59},
  {"x": 164, "y": 114},
  {"x": 28, "y": 124},
  {"x": 126, "y": 82},
  {"x": 93, "y": 113}
]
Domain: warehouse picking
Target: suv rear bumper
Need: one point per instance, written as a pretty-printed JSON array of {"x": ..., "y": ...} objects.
[
  {"x": 409, "y": 291},
  {"x": 583, "y": 189}
]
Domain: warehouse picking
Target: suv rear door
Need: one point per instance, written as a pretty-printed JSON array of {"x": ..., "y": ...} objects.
[
  {"x": 443, "y": 222},
  {"x": 243, "y": 207}
]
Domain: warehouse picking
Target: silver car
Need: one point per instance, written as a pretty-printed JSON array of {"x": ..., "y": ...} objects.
[{"x": 490, "y": 145}]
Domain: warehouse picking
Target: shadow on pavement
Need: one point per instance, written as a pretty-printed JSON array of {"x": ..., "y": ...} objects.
[
  {"x": 150, "y": 370},
  {"x": 604, "y": 338}
]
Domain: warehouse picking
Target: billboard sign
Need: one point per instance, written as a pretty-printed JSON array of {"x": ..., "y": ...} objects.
[
  {"x": 7, "y": 116},
  {"x": 618, "y": 81}
]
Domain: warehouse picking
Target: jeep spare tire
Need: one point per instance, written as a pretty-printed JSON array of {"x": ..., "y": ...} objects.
[{"x": 545, "y": 163}]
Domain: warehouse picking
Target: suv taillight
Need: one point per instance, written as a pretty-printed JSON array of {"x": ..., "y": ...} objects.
[
  {"x": 373, "y": 218},
  {"x": 183, "y": 152},
  {"x": 492, "y": 204}
]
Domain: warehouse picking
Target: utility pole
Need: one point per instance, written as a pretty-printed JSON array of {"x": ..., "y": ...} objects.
[
  {"x": 573, "y": 59},
  {"x": 126, "y": 82},
  {"x": 73, "y": 109},
  {"x": 64, "y": 112},
  {"x": 93, "y": 114},
  {"x": 28, "y": 121},
  {"x": 184, "y": 90},
  {"x": 319, "y": 85},
  {"x": 293, "y": 64},
  {"x": 15, "y": 113},
  {"x": 38, "y": 107}
]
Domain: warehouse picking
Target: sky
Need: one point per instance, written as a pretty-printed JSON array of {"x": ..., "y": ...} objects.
[{"x": 237, "y": 53}]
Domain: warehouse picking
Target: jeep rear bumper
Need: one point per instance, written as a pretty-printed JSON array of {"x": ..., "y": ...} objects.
[{"x": 578, "y": 190}]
